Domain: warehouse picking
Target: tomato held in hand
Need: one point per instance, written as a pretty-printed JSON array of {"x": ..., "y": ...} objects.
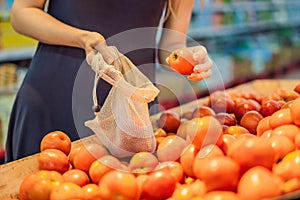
[{"x": 181, "y": 61}]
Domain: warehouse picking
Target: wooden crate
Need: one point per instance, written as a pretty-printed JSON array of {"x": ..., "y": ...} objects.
[{"x": 12, "y": 174}]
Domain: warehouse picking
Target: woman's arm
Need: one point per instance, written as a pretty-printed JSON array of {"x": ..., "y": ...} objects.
[
  {"x": 176, "y": 27},
  {"x": 174, "y": 37},
  {"x": 28, "y": 18}
]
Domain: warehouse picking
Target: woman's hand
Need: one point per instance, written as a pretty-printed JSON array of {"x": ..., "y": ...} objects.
[
  {"x": 204, "y": 64},
  {"x": 95, "y": 42},
  {"x": 191, "y": 61}
]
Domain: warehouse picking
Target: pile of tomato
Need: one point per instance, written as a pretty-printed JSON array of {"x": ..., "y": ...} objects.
[{"x": 237, "y": 145}]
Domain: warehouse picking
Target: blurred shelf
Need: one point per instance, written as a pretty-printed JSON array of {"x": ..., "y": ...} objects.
[
  {"x": 247, "y": 5},
  {"x": 229, "y": 30},
  {"x": 17, "y": 54}
]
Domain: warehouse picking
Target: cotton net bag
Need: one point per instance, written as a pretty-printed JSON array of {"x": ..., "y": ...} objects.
[{"x": 123, "y": 123}]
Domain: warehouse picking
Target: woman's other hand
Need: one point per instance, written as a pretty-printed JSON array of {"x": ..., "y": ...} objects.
[{"x": 93, "y": 42}]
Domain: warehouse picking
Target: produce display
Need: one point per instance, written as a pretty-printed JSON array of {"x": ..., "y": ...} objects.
[{"x": 236, "y": 145}]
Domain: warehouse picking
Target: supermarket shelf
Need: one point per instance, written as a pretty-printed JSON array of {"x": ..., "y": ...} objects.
[
  {"x": 247, "y": 5},
  {"x": 210, "y": 32},
  {"x": 16, "y": 54}
]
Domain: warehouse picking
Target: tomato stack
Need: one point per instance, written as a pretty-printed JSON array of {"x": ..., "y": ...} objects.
[{"x": 237, "y": 145}]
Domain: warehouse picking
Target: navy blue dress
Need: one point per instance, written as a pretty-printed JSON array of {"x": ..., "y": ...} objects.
[{"x": 56, "y": 93}]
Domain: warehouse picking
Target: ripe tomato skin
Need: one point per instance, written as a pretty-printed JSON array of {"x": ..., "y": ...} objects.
[
  {"x": 181, "y": 61},
  {"x": 30, "y": 180},
  {"x": 67, "y": 190},
  {"x": 116, "y": 185},
  {"x": 295, "y": 111},
  {"x": 204, "y": 131},
  {"x": 91, "y": 191},
  {"x": 76, "y": 176},
  {"x": 53, "y": 159},
  {"x": 259, "y": 183},
  {"x": 41, "y": 189},
  {"x": 159, "y": 185},
  {"x": 87, "y": 154},
  {"x": 259, "y": 151},
  {"x": 220, "y": 168},
  {"x": 56, "y": 140}
]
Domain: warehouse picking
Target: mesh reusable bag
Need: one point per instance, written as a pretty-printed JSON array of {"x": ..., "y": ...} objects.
[{"x": 123, "y": 123}]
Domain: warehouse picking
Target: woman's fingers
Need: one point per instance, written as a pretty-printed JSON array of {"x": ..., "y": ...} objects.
[
  {"x": 207, "y": 65},
  {"x": 199, "y": 53},
  {"x": 107, "y": 54},
  {"x": 200, "y": 76}
]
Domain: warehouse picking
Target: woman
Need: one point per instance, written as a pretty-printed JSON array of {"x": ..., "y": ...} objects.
[{"x": 67, "y": 32}]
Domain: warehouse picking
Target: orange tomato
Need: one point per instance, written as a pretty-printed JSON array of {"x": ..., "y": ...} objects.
[
  {"x": 175, "y": 169},
  {"x": 221, "y": 195},
  {"x": 295, "y": 111},
  {"x": 281, "y": 117},
  {"x": 259, "y": 183},
  {"x": 29, "y": 180},
  {"x": 183, "y": 192},
  {"x": 87, "y": 154},
  {"x": 91, "y": 192},
  {"x": 67, "y": 191},
  {"x": 42, "y": 188},
  {"x": 181, "y": 61},
  {"x": 74, "y": 150},
  {"x": 209, "y": 151},
  {"x": 76, "y": 176},
  {"x": 142, "y": 162},
  {"x": 291, "y": 185},
  {"x": 251, "y": 152},
  {"x": 227, "y": 141},
  {"x": 263, "y": 126},
  {"x": 102, "y": 166},
  {"x": 282, "y": 146},
  {"x": 56, "y": 140},
  {"x": 297, "y": 141},
  {"x": 187, "y": 159},
  {"x": 117, "y": 185},
  {"x": 170, "y": 148},
  {"x": 203, "y": 131},
  {"x": 223, "y": 169},
  {"x": 236, "y": 130},
  {"x": 53, "y": 159},
  {"x": 288, "y": 130},
  {"x": 289, "y": 166}
]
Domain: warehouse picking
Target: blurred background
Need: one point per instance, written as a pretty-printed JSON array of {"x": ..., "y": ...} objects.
[{"x": 247, "y": 40}]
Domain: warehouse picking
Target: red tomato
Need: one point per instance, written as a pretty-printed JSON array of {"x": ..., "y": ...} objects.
[
  {"x": 159, "y": 185},
  {"x": 181, "y": 61}
]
